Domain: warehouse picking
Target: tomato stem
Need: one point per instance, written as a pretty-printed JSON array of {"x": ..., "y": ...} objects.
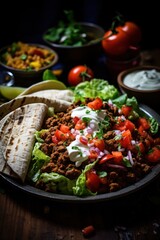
[{"x": 85, "y": 75}]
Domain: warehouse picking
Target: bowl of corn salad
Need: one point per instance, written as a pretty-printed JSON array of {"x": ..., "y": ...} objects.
[{"x": 27, "y": 61}]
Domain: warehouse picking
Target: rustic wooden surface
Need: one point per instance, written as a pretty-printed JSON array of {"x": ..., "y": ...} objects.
[{"x": 134, "y": 217}]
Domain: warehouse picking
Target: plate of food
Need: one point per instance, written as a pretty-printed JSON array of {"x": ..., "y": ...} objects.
[{"x": 79, "y": 151}]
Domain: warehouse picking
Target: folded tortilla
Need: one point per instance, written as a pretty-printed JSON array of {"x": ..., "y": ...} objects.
[
  {"x": 65, "y": 95},
  {"x": 59, "y": 101},
  {"x": 19, "y": 119},
  {"x": 17, "y": 138}
]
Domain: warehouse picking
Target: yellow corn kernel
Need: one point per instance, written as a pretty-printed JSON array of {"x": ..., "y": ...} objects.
[{"x": 35, "y": 64}]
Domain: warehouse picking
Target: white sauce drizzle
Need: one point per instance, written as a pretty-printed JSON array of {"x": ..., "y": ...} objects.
[{"x": 77, "y": 151}]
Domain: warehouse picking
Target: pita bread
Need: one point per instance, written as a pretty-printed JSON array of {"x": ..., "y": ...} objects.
[
  {"x": 66, "y": 95},
  {"x": 17, "y": 138},
  {"x": 58, "y": 104}
]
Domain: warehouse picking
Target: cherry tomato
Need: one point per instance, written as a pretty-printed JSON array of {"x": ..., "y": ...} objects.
[{"x": 79, "y": 74}]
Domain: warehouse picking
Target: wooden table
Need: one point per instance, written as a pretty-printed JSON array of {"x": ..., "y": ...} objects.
[
  {"x": 26, "y": 217},
  {"x": 134, "y": 217}
]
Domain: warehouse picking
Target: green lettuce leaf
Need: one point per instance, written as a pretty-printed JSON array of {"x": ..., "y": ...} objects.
[
  {"x": 80, "y": 189},
  {"x": 38, "y": 160},
  {"x": 95, "y": 88},
  {"x": 58, "y": 183}
]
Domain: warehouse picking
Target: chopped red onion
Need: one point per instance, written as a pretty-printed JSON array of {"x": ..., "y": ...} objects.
[{"x": 130, "y": 157}]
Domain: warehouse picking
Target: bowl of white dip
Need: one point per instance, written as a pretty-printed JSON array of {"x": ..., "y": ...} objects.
[{"x": 143, "y": 82}]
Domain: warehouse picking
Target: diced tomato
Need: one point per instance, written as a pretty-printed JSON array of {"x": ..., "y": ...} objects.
[
  {"x": 38, "y": 52},
  {"x": 87, "y": 231},
  {"x": 144, "y": 123},
  {"x": 61, "y": 136},
  {"x": 76, "y": 119},
  {"x": 93, "y": 154},
  {"x": 154, "y": 154},
  {"x": 118, "y": 157},
  {"x": 99, "y": 143},
  {"x": 105, "y": 158},
  {"x": 83, "y": 140},
  {"x": 64, "y": 128},
  {"x": 125, "y": 141},
  {"x": 142, "y": 131},
  {"x": 141, "y": 147},
  {"x": 124, "y": 125},
  {"x": 96, "y": 104},
  {"x": 92, "y": 181},
  {"x": 126, "y": 110},
  {"x": 129, "y": 125},
  {"x": 80, "y": 125}
]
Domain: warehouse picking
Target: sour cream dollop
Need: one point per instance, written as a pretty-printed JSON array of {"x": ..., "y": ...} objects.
[
  {"x": 143, "y": 80},
  {"x": 77, "y": 151}
]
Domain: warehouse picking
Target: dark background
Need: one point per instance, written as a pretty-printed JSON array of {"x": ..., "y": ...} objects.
[{"x": 26, "y": 21}]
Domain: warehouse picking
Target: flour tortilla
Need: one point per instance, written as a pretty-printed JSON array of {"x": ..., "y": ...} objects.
[
  {"x": 59, "y": 103},
  {"x": 17, "y": 138},
  {"x": 66, "y": 95}
]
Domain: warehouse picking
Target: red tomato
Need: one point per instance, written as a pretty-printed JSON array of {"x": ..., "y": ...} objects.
[
  {"x": 92, "y": 181},
  {"x": 122, "y": 39},
  {"x": 144, "y": 123},
  {"x": 99, "y": 143},
  {"x": 95, "y": 104},
  {"x": 60, "y": 135},
  {"x": 126, "y": 139},
  {"x": 133, "y": 32},
  {"x": 64, "y": 128},
  {"x": 115, "y": 44},
  {"x": 126, "y": 110},
  {"x": 141, "y": 147},
  {"x": 87, "y": 231},
  {"x": 93, "y": 154},
  {"x": 80, "y": 125},
  {"x": 124, "y": 125},
  {"x": 79, "y": 74},
  {"x": 154, "y": 154},
  {"x": 118, "y": 157},
  {"x": 105, "y": 158},
  {"x": 83, "y": 140}
]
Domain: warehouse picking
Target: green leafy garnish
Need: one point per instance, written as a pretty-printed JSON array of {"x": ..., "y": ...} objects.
[{"x": 68, "y": 32}]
